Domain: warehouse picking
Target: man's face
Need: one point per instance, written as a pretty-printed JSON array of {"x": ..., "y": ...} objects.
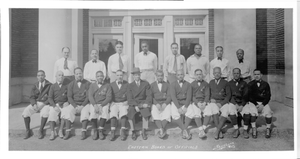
[
  {"x": 78, "y": 74},
  {"x": 119, "y": 48},
  {"x": 94, "y": 55},
  {"x": 180, "y": 75},
  {"x": 145, "y": 47},
  {"x": 199, "y": 75},
  {"x": 257, "y": 75},
  {"x": 236, "y": 74},
  {"x": 59, "y": 77},
  {"x": 217, "y": 73},
  {"x": 119, "y": 75},
  {"x": 136, "y": 76},
  {"x": 219, "y": 52},
  {"x": 198, "y": 49},
  {"x": 174, "y": 49},
  {"x": 66, "y": 52},
  {"x": 240, "y": 54},
  {"x": 99, "y": 77},
  {"x": 41, "y": 76},
  {"x": 160, "y": 76}
]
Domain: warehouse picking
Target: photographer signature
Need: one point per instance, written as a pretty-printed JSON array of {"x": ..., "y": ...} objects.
[{"x": 227, "y": 145}]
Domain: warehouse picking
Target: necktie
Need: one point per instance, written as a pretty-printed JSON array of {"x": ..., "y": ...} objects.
[
  {"x": 41, "y": 87},
  {"x": 66, "y": 64},
  {"x": 145, "y": 53},
  {"x": 119, "y": 82},
  {"x": 94, "y": 61},
  {"x": 121, "y": 65},
  {"x": 241, "y": 61},
  {"x": 217, "y": 81},
  {"x": 138, "y": 84},
  {"x": 159, "y": 82},
  {"x": 220, "y": 58},
  {"x": 175, "y": 64}
]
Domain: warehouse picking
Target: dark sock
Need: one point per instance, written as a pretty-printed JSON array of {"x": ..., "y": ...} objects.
[
  {"x": 68, "y": 124},
  {"x": 94, "y": 123},
  {"x": 216, "y": 119},
  {"x": 27, "y": 123},
  {"x": 158, "y": 124},
  {"x": 233, "y": 119},
  {"x": 268, "y": 120},
  {"x": 43, "y": 123},
  {"x": 179, "y": 123},
  {"x": 123, "y": 121},
  {"x": 164, "y": 123},
  {"x": 247, "y": 119},
  {"x": 84, "y": 124},
  {"x": 221, "y": 123},
  {"x": 52, "y": 125},
  {"x": 113, "y": 122},
  {"x": 102, "y": 122},
  {"x": 198, "y": 122},
  {"x": 187, "y": 122},
  {"x": 253, "y": 119},
  {"x": 206, "y": 120},
  {"x": 239, "y": 119}
]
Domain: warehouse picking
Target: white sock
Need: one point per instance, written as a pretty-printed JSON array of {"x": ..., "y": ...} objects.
[
  {"x": 269, "y": 126},
  {"x": 253, "y": 125},
  {"x": 123, "y": 127},
  {"x": 245, "y": 127},
  {"x": 201, "y": 128},
  {"x": 83, "y": 129},
  {"x": 113, "y": 128},
  {"x": 235, "y": 126},
  {"x": 204, "y": 127},
  {"x": 100, "y": 127}
]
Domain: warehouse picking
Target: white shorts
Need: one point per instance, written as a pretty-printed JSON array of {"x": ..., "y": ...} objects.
[
  {"x": 69, "y": 112},
  {"x": 211, "y": 109},
  {"x": 228, "y": 109},
  {"x": 148, "y": 76},
  {"x": 29, "y": 111},
  {"x": 250, "y": 108},
  {"x": 88, "y": 113},
  {"x": 165, "y": 115},
  {"x": 118, "y": 110},
  {"x": 174, "y": 111},
  {"x": 193, "y": 112}
]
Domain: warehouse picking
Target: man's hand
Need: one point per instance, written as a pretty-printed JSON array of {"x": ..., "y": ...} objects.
[
  {"x": 213, "y": 101},
  {"x": 163, "y": 106},
  {"x": 145, "y": 105},
  {"x": 137, "y": 109},
  {"x": 219, "y": 105},
  {"x": 260, "y": 107}
]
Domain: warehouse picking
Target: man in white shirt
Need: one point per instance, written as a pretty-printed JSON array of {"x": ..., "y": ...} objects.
[
  {"x": 174, "y": 62},
  {"x": 65, "y": 65},
  {"x": 146, "y": 61},
  {"x": 118, "y": 61},
  {"x": 198, "y": 61},
  {"x": 93, "y": 66},
  {"x": 221, "y": 62},
  {"x": 243, "y": 65}
]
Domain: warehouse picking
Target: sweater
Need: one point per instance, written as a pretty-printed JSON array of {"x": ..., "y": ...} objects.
[
  {"x": 181, "y": 95},
  {"x": 78, "y": 96},
  {"x": 200, "y": 93},
  {"x": 119, "y": 95},
  {"x": 38, "y": 95},
  {"x": 259, "y": 94},
  {"x": 58, "y": 95},
  {"x": 239, "y": 93},
  {"x": 220, "y": 92},
  {"x": 139, "y": 95},
  {"x": 102, "y": 95},
  {"x": 163, "y": 96}
]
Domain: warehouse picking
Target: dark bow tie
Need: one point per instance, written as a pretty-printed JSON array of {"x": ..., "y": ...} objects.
[
  {"x": 241, "y": 61},
  {"x": 181, "y": 81},
  {"x": 101, "y": 83},
  {"x": 120, "y": 82},
  {"x": 79, "y": 81},
  {"x": 159, "y": 82},
  {"x": 258, "y": 82},
  {"x": 220, "y": 58},
  {"x": 94, "y": 61}
]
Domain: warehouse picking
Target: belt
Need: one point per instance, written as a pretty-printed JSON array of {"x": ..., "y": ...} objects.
[{"x": 147, "y": 69}]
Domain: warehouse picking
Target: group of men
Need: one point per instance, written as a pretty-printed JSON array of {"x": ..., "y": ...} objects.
[{"x": 76, "y": 91}]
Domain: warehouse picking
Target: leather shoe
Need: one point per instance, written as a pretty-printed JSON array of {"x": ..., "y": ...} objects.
[
  {"x": 268, "y": 133},
  {"x": 28, "y": 134},
  {"x": 101, "y": 135},
  {"x": 144, "y": 136},
  {"x": 221, "y": 136},
  {"x": 68, "y": 135},
  {"x": 183, "y": 134},
  {"x": 41, "y": 134},
  {"x": 133, "y": 136},
  {"x": 112, "y": 135},
  {"x": 52, "y": 136},
  {"x": 95, "y": 134},
  {"x": 83, "y": 135},
  {"x": 122, "y": 134},
  {"x": 254, "y": 133},
  {"x": 187, "y": 135},
  {"x": 236, "y": 133},
  {"x": 163, "y": 133},
  {"x": 246, "y": 134}
]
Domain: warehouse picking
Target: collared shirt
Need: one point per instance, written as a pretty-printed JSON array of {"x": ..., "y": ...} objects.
[
  {"x": 194, "y": 62},
  {"x": 223, "y": 64},
  {"x": 91, "y": 68},
  {"x": 159, "y": 86},
  {"x": 113, "y": 63},
  {"x": 59, "y": 66},
  {"x": 180, "y": 83},
  {"x": 119, "y": 85},
  {"x": 246, "y": 70},
  {"x": 41, "y": 84},
  {"x": 169, "y": 63},
  {"x": 138, "y": 83},
  {"x": 148, "y": 61},
  {"x": 59, "y": 84},
  {"x": 218, "y": 81},
  {"x": 78, "y": 84}
]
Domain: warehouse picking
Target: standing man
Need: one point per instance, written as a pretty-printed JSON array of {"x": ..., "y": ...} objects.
[
  {"x": 239, "y": 97},
  {"x": 173, "y": 63},
  {"x": 58, "y": 99},
  {"x": 92, "y": 66},
  {"x": 119, "y": 105},
  {"x": 259, "y": 97},
  {"x": 78, "y": 98},
  {"x": 139, "y": 100},
  {"x": 38, "y": 102},
  {"x": 243, "y": 65},
  {"x": 100, "y": 97},
  {"x": 181, "y": 95},
  {"x": 118, "y": 61},
  {"x": 146, "y": 61},
  {"x": 161, "y": 112},
  {"x": 198, "y": 61},
  {"x": 201, "y": 94},
  {"x": 221, "y": 62},
  {"x": 65, "y": 65}
]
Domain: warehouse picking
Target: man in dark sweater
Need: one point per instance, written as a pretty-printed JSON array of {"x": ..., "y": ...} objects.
[
  {"x": 78, "y": 98},
  {"x": 220, "y": 95},
  {"x": 139, "y": 100},
  {"x": 100, "y": 96},
  {"x": 38, "y": 102},
  {"x": 239, "y": 97},
  {"x": 201, "y": 94},
  {"x": 181, "y": 95},
  {"x": 161, "y": 112},
  {"x": 57, "y": 99},
  {"x": 119, "y": 105},
  {"x": 259, "y": 97}
]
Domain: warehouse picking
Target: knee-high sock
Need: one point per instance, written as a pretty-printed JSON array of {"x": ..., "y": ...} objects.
[
  {"x": 268, "y": 120},
  {"x": 179, "y": 123},
  {"x": 221, "y": 123},
  {"x": 52, "y": 125},
  {"x": 145, "y": 123},
  {"x": 206, "y": 120},
  {"x": 94, "y": 123},
  {"x": 239, "y": 119},
  {"x": 233, "y": 120},
  {"x": 43, "y": 123},
  {"x": 27, "y": 123},
  {"x": 158, "y": 124},
  {"x": 123, "y": 121},
  {"x": 247, "y": 119},
  {"x": 102, "y": 122},
  {"x": 216, "y": 119},
  {"x": 187, "y": 122},
  {"x": 132, "y": 123},
  {"x": 113, "y": 122},
  {"x": 68, "y": 124},
  {"x": 164, "y": 123},
  {"x": 198, "y": 122},
  {"x": 84, "y": 124},
  {"x": 253, "y": 120},
  {"x": 62, "y": 124}
]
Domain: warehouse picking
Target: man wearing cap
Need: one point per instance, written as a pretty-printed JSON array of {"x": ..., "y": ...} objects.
[
  {"x": 181, "y": 95},
  {"x": 78, "y": 99},
  {"x": 92, "y": 66},
  {"x": 119, "y": 105},
  {"x": 221, "y": 62},
  {"x": 139, "y": 100},
  {"x": 243, "y": 65},
  {"x": 38, "y": 102},
  {"x": 161, "y": 112},
  {"x": 146, "y": 61}
]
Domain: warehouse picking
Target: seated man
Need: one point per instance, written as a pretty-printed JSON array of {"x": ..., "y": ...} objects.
[
  {"x": 259, "y": 97},
  {"x": 181, "y": 95},
  {"x": 219, "y": 98},
  {"x": 139, "y": 100},
  {"x": 57, "y": 99},
  {"x": 38, "y": 102},
  {"x": 119, "y": 105},
  {"x": 78, "y": 98},
  {"x": 100, "y": 96},
  {"x": 201, "y": 94},
  {"x": 239, "y": 98},
  {"x": 161, "y": 112}
]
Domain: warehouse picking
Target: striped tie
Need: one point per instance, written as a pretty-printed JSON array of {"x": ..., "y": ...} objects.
[
  {"x": 121, "y": 65},
  {"x": 66, "y": 64},
  {"x": 175, "y": 64}
]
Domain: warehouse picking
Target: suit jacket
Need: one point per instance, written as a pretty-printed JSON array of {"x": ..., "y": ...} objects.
[
  {"x": 119, "y": 95},
  {"x": 239, "y": 93},
  {"x": 58, "y": 94},
  {"x": 78, "y": 96},
  {"x": 102, "y": 95},
  {"x": 200, "y": 93},
  {"x": 221, "y": 92},
  {"x": 181, "y": 95},
  {"x": 40, "y": 95},
  {"x": 139, "y": 95},
  {"x": 259, "y": 94},
  {"x": 163, "y": 96}
]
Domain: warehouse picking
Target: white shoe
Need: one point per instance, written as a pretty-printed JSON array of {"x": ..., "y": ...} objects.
[{"x": 202, "y": 134}]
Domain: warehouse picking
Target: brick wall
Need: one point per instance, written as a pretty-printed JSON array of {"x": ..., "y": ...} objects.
[
  {"x": 24, "y": 42},
  {"x": 85, "y": 36},
  {"x": 211, "y": 25}
]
